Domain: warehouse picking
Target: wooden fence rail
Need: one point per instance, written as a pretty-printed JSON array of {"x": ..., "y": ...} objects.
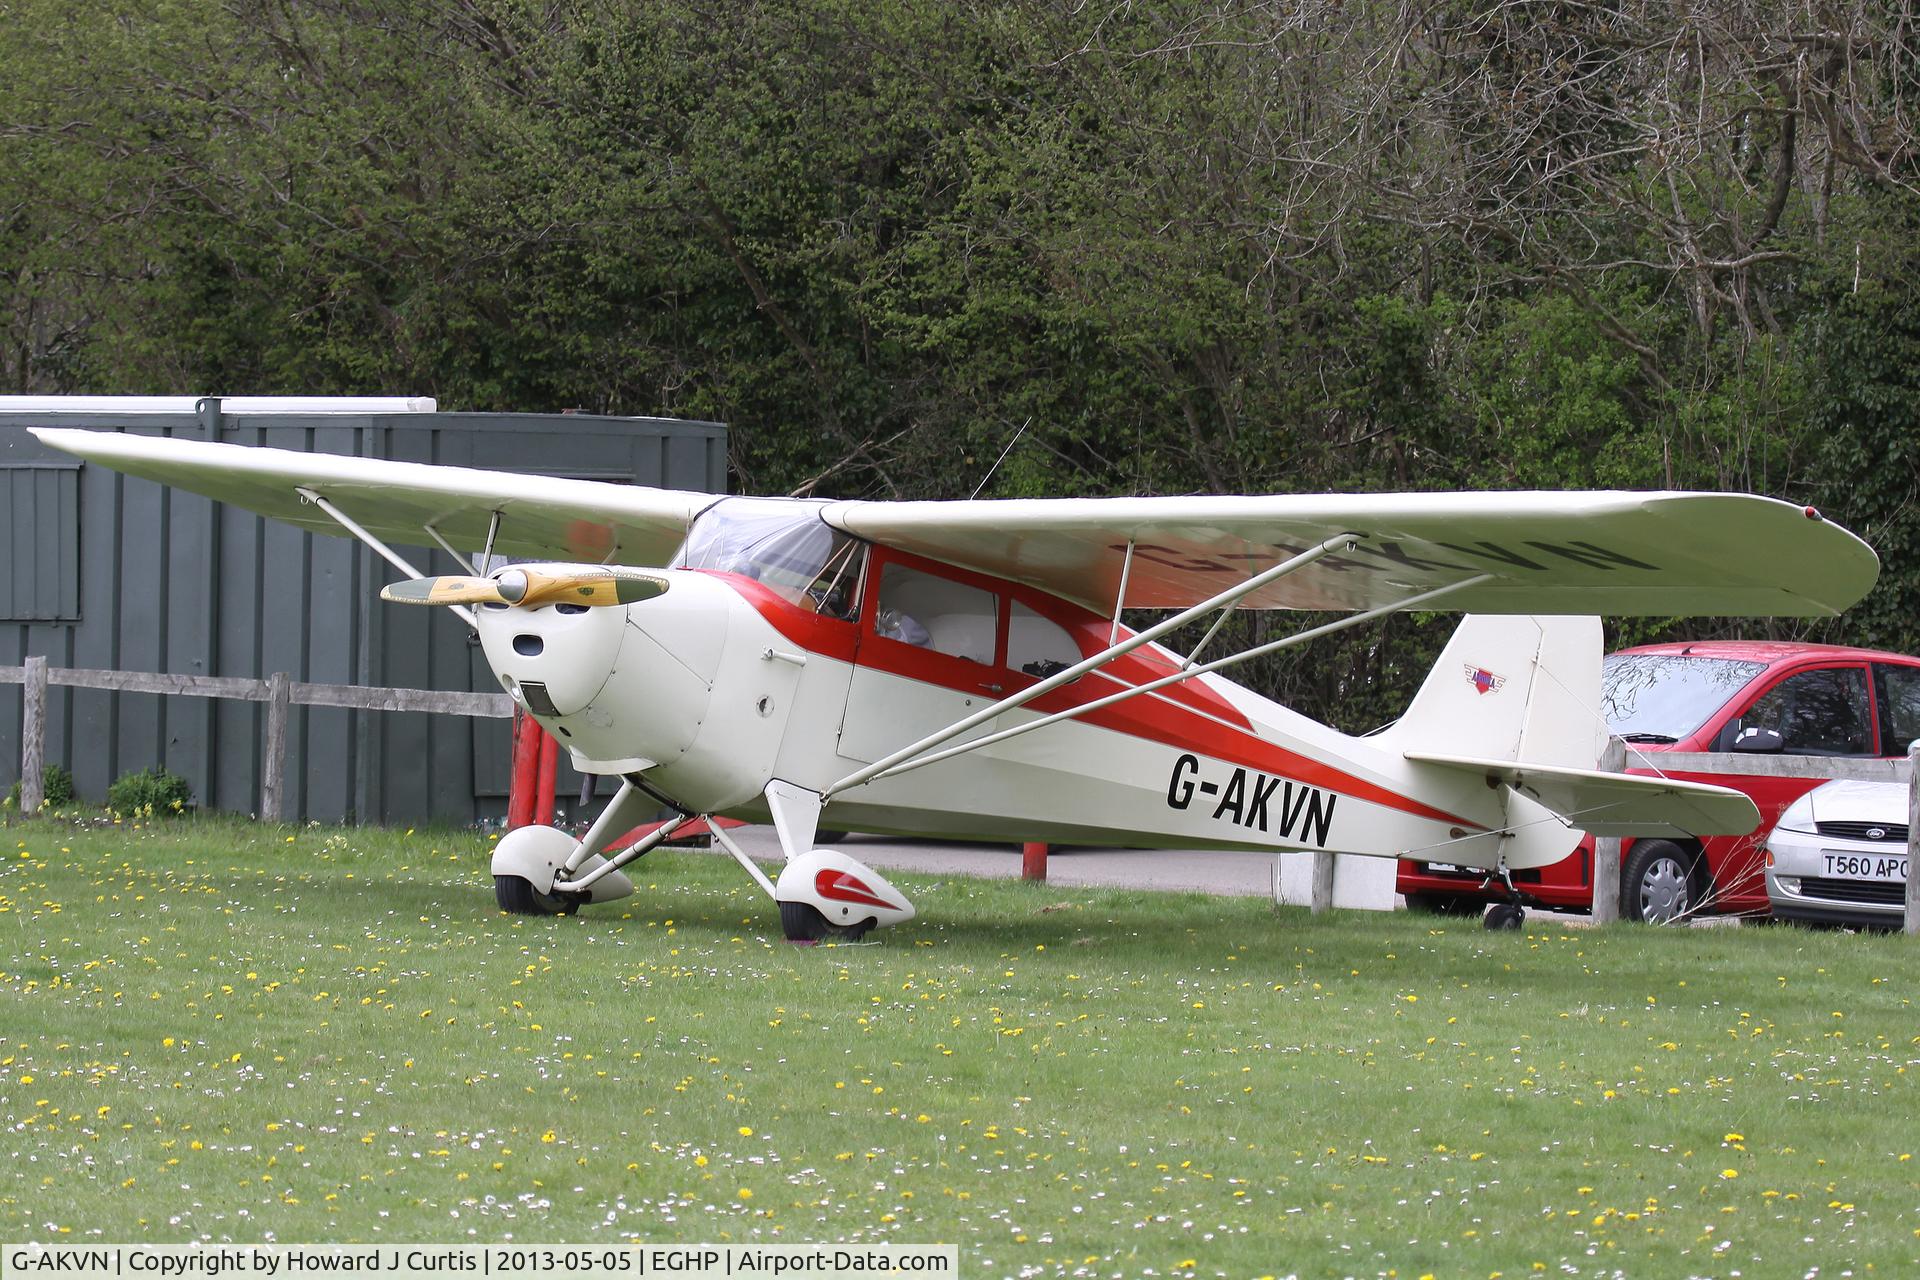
[{"x": 278, "y": 691}]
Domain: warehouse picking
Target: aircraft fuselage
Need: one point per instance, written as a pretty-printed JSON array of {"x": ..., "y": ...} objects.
[{"x": 723, "y": 684}]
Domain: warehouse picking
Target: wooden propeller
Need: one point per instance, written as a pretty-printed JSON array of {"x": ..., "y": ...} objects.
[{"x": 528, "y": 588}]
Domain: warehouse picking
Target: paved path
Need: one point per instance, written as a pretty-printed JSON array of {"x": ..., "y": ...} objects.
[
  {"x": 1199, "y": 870},
  {"x": 1196, "y": 870}
]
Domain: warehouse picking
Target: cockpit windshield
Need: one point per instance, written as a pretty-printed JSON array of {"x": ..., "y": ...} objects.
[{"x": 782, "y": 544}]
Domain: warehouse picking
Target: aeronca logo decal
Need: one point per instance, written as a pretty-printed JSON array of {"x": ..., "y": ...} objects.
[
  {"x": 1256, "y": 801},
  {"x": 1483, "y": 680}
]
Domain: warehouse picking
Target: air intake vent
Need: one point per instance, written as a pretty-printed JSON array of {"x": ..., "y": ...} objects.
[{"x": 537, "y": 700}]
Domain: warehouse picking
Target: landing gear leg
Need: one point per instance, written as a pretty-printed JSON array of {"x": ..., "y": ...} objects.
[
  {"x": 824, "y": 894},
  {"x": 1509, "y": 914},
  {"x": 545, "y": 871}
]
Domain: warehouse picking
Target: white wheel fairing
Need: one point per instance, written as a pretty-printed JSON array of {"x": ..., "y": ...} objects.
[
  {"x": 842, "y": 889},
  {"x": 536, "y": 854}
]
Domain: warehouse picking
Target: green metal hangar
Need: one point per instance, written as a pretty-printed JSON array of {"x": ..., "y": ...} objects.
[{"x": 99, "y": 571}]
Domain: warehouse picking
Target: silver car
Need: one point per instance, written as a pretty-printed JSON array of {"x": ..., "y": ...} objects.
[{"x": 1839, "y": 855}]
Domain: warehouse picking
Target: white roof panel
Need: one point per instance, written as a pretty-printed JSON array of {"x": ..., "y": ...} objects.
[{"x": 229, "y": 405}]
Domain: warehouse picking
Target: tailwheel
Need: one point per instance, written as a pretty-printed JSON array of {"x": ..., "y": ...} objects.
[
  {"x": 517, "y": 896},
  {"x": 803, "y": 923},
  {"x": 1505, "y": 915}
]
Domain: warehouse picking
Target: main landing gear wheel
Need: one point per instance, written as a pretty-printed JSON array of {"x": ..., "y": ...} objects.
[
  {"x": 517, "y": 896},
  {"x": 1505, "y": 915},
  {"x": 802, "y": 922},
  {"x": 824, "y": 894},
  {"x": 528, "y": 858}
]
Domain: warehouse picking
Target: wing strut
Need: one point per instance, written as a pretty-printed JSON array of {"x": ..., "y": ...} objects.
[
  {"x": 384, "y": 551},
  {"x": 1120, "y": 600},
  {"x": 458, "y": 557},
  {"x": 1186, "y": 673},
  {"x": 1339, "y": 542}
]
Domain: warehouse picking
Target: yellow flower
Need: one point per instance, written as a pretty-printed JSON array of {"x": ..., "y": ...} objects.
[{"x": 746, "y": 1131}]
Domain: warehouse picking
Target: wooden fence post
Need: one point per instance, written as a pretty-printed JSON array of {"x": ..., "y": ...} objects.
[
  {"x": 1606, "y": 849},
  {"x": 1322, "y": 900},
  {"x": 1913, "y": 840},
  {"x": 33, "y": 735},
  {"x": 273, "y": 767}
]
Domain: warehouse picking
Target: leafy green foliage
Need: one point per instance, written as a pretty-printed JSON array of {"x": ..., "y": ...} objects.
[
  {"x": 1132, "y": 249},
  {"x": 56, "y": 788},
  {"x": 152, "y": 792}
]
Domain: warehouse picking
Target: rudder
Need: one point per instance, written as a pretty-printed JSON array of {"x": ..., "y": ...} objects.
[{"x": 1510, "y": 687}]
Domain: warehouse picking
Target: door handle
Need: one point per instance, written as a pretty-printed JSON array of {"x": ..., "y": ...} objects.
[{"x": 991, "y": 688}]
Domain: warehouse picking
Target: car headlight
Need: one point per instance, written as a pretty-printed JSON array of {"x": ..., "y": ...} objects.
[{"x": 1799, "y": 816}]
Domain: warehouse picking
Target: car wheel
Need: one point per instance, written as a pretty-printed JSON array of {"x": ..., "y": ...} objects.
[
  {"x": 1657, "y": 885},
  {"x": 1444, "y": 904}
]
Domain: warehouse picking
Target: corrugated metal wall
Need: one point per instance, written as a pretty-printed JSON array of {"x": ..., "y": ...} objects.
[{"x": 104, "y": 571}]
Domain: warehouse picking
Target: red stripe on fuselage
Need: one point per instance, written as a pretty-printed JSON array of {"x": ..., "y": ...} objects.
[{"x": 1183, "y": 717}]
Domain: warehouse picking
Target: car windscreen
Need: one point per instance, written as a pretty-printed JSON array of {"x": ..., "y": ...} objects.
[{"x": 1663, "y": 697}]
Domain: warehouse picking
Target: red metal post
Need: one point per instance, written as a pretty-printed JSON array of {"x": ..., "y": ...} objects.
[
  {"x": 549, "y": 771},
  {"x": 526, "y": 768},
  {"x": 1033, "y": 861}
]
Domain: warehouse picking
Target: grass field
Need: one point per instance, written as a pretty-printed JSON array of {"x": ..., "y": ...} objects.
[{"x": 211, "y": 1030}]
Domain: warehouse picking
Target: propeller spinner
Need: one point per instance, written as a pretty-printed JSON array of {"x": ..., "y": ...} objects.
[{"x": 528, "y": 588}]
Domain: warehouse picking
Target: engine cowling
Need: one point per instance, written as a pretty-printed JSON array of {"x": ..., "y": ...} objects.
[{"x": 632, "y": 688}]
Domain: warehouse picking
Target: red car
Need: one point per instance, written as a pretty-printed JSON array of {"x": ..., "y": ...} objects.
[{"x": 1796, "y": 699}]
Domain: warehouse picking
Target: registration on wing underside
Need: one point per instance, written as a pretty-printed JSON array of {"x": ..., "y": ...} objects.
[
  {"x": 1254, "y": 800},
  {"x": 1532, "y": 556}
]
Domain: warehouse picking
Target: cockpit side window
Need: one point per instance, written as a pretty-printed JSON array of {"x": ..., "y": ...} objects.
[
  {"x": 1037, "y": 645},
  {"x": 934, "y": 612}
]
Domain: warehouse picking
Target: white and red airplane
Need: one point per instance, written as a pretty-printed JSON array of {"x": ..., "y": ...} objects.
[{"x": 958, "y": 668}]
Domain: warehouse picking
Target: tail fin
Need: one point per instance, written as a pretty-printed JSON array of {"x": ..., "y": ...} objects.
[
  {"x": 1514, "y": 703},
  {"x": 1510, "y": 688}
]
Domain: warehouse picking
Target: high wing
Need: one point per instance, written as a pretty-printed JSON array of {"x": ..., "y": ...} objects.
[
  {"x": 1620, "y": 553},
  {"x": 1614, "y": 553},
  {"x": 541, "y": 516}
]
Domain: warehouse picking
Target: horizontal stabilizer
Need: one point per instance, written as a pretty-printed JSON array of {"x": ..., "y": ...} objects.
[{"x": 1616, "y": 804}]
